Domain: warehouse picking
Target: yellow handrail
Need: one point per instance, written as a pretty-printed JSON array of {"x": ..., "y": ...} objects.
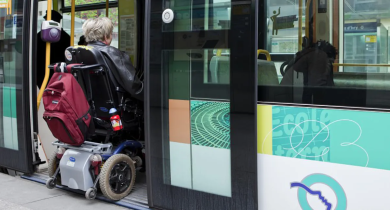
[
  {"x": 361, "y": 64},
  {"x": 107, "y": 6},
  {"x": 47, "y": 63},
  {"x": 266, "y": 53},
  {"x": 9, "y": 7},
  {"x": 307, "y": 18},
  {"x": 72, "y": 11},
  {"x": 300, "y": 26}
]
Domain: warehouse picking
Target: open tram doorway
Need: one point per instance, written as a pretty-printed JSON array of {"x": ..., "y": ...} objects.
[{"x": 128, "y": 20}]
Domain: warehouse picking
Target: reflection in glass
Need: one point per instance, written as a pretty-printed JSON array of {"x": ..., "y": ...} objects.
[
  {"x": 282, "y": 22},
  {"x": 358, "y": 76},
  {"x": 198, "y": 15},
  {"x": 365, "y": 39},
  {"x": 68, "y": 3},
  {"x": 197, "y": 119},
  {"x": 11, "y": 70}
]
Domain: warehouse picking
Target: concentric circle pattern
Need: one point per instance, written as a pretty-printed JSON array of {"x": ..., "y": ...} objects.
[{"x": 210, "y": 124}]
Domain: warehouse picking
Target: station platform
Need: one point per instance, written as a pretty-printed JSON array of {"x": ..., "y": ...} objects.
[{"x": 29, "y": 193}]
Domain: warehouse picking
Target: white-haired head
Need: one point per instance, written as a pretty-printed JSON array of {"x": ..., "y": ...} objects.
[{"x": 98, "y": 29}]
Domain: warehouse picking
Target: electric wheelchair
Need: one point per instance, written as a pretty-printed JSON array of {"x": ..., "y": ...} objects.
[{"x": 108, "y": 159}]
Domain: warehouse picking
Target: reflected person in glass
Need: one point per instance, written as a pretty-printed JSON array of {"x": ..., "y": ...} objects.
[
  {"x": 275, "y": 26},
  {"x": 316, "y": 64}
]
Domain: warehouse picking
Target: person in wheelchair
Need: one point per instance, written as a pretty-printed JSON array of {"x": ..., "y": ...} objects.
[{"x": 98, "y": 34}]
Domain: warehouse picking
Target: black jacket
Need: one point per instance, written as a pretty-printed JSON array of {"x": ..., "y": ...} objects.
[
  {"x": 318, "y": 72},
  {"x": 316, "y": 67},
  {"x": 121, "y": 67}
]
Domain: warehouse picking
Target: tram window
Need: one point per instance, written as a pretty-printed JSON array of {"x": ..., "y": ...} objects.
[
  {"x": 81, "y": 16},
  {"x": 360, "y": 74},
  {"x": 67, "y": 3}
]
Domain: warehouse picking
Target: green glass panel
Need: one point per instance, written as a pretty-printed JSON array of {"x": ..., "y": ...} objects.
[
  {"x": 179, "y": 74},
  {"x": 210, "y": 124}
]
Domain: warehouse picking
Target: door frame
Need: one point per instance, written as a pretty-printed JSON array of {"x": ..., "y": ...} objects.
[
  {"x": 241, "y": 113},
  {"x": 22, "y": 159}
]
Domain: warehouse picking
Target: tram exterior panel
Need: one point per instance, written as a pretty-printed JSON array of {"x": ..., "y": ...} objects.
[{"x": 223, "y": 128}]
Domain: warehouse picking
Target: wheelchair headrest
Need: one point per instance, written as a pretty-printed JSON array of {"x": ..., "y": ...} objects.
[{"x": 82, "y": 54}]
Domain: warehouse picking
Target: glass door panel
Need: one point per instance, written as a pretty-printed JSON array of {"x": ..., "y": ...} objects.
[
  {"x": 15, "y": 128},
  {"x": 199, "y": 120},
  {"x": 200, "y": 104},
  {"x": 195, "y": 15}
]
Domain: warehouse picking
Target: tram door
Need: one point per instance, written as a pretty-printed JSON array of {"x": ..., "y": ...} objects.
[
  {"x": 200, "y": 98},
  {"x": 15, "y": 118}
]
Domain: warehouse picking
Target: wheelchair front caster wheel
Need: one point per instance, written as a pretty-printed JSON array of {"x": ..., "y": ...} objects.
[
  {"x": 51, "y": 183},
  {"x": 91, "y": 193}
]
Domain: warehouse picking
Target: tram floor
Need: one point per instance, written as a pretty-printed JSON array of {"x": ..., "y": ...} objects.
[
  {"x": 21, "y": 194},
  {"x": 137, "y": 197}
]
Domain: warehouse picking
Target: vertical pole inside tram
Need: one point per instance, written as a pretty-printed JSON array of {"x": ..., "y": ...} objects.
[
  {"x": 47, "y": 63},
  {"x": 72, "y": 19},
  {"x": 307, "y": 18},
  {"x": 300, "y": 25},
  {"x": 107, "y": 7}
]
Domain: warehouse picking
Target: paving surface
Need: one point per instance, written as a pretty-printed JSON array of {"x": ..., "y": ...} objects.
[{"x": 20, "y": 194}]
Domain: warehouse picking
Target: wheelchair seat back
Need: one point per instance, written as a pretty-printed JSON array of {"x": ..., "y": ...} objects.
[{"x": 97, "y": 82}]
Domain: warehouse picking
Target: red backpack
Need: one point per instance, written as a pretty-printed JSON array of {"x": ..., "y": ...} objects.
[{"x": 67, "y": 111}]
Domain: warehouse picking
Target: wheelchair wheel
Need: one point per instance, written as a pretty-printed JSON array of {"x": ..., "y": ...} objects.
[
  {"x": 91, "y": 193},
  {"x": 117, "y": 177},
  {"x": 50, "y": 184},
  {"x": 52, "y": 167}
]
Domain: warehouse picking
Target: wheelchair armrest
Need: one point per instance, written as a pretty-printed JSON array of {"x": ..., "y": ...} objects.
[
  {"x": 102, "y": 123},
  {"x": 89, "y": 67},
  {"x": 82, "y": 67}
]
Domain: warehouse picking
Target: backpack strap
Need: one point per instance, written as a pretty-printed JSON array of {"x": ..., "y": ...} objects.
[
  {"x": 55, "y": 67},
  {"x": 69, "y": 67}
]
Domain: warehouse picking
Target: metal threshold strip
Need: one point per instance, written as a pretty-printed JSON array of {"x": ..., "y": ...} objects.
[{"x": 136, "y": 199}]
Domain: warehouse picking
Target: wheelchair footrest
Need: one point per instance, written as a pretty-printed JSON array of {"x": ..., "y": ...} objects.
[{"x": 88, "y": 146}]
